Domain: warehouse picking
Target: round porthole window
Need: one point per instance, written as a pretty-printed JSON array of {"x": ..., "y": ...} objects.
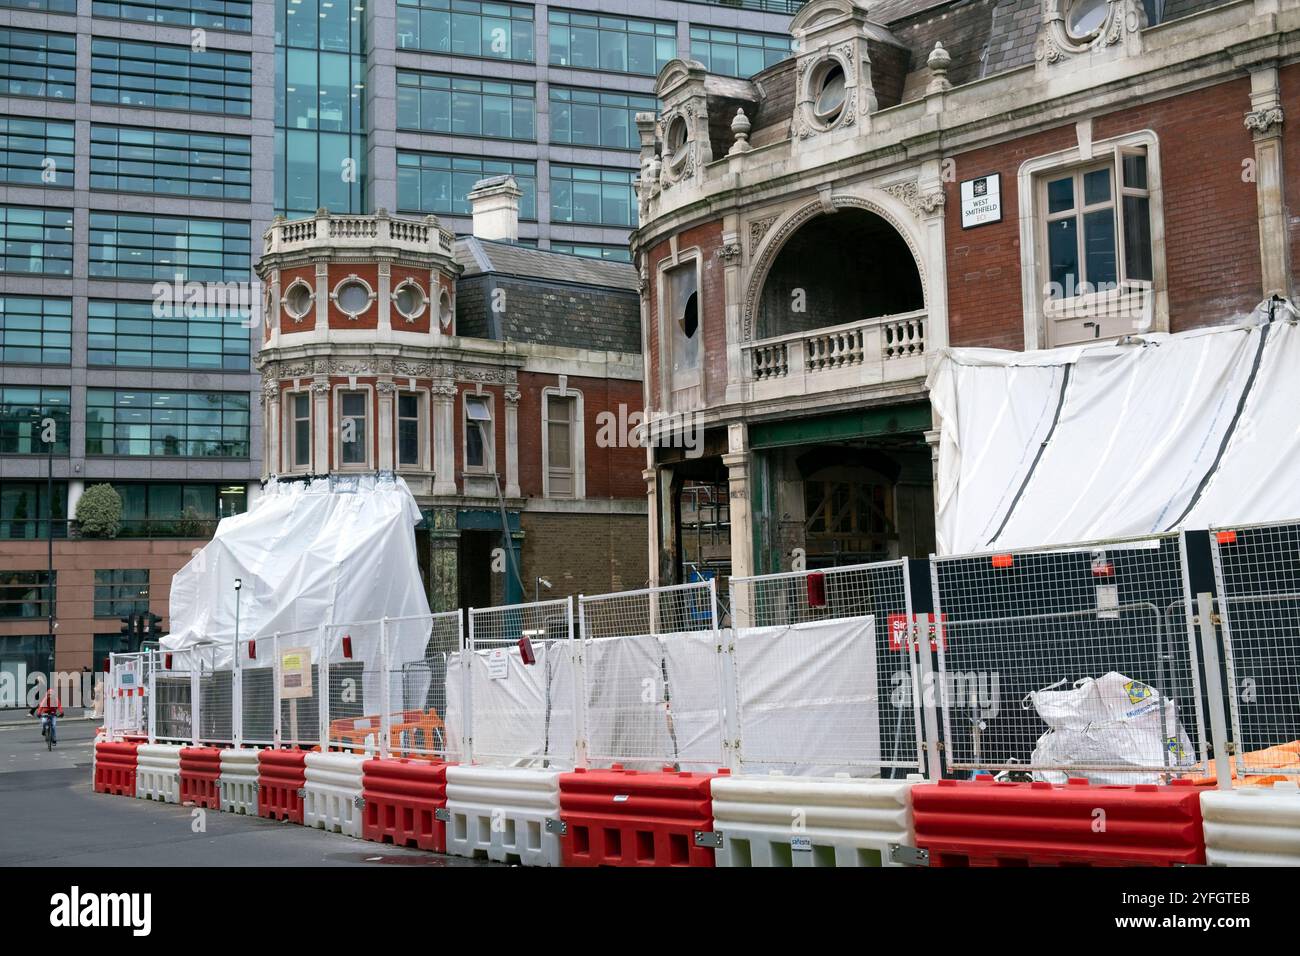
[
  {"x": 409, "y": 300},
  {"x": 298, "y": 300},
  {"x": 353, "y": 296},
  {"x": 1084, "y": 18},
  {"x": 829, "y": 89}
]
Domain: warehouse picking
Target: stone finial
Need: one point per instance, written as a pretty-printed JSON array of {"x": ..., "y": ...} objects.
[
  {"x": 938, "y": 63},
  {"x": 740, "y": 126}
]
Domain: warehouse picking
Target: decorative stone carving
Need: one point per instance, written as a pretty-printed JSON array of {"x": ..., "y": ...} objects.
[
  {"x": 910, "y": 193},
  {"x": 938, "y": 62},
  {"x": 757, "y": 230},
  {"x": 1124, "y": 19},
  {"x": 386, "y": 388},
  {"x": 320, "y": 387},
  {"x": 513, "y": 396},
  {"x": 730, "y": 253},
  {"x": 740, "y": 127},
  {"x": 413, "y": 369},
  {"x": 1261, "y": 121}
]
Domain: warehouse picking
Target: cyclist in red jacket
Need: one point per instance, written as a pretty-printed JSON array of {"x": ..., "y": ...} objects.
[{"x": 48, "y": 710}]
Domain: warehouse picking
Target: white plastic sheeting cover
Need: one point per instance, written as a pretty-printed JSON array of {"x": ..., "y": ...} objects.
[
  {"x": 679, "y": 723},
  {"x": 810, "y": 698},
  {"x": 308, "y": 554},
  {"x": 1122, "y": 440},
  {"x": 523, "y": 719}
]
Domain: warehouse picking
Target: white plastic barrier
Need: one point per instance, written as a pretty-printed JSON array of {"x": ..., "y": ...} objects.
[
  {"x": 501, "y": 813},
  {"x": 333, "y": 793},
  {"x": 1253, "y": 826},
  {"x": 811, "y": 821},
  {"x": 158, "y": 772},
  {"x": 239, "y": 781}
]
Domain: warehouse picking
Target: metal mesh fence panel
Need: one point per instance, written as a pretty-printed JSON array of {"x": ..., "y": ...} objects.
[
  {"x": 1075, "y": 659},
  {"x": 216, "y": 697},
  {"x": 355, "y": 679},
  {"x": 418, "y": 687},
  {"x": 298, "y": 686},
  {"x": 522, "y": 685},
  {"x": 173, "y": 700},
  {"x": 653, "y": 681},
  {"x": 1257, "y": 577},
  {"x": 256, "y": 677},
  {"x": 825, "y": 670},
  {"x": 125, "y": 702}
]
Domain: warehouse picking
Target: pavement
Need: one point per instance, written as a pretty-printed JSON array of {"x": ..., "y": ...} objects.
[{"x": 51, "y": 816}]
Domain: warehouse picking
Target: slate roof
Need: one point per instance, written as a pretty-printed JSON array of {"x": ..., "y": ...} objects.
[{"x": 479, "y": 256}]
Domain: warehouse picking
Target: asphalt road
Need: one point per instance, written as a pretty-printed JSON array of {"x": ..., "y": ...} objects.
[{"x": 51, "y": 816}]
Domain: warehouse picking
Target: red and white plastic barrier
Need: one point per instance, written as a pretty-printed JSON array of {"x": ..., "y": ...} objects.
[
  {"x": 281, "y": 777},
  {"x": 620, "y": 817},
  {"x": 780, "y": 821},
  {"x": 200, "y": 775},
  {"x": 1253, "y": 826},
  {"x": 238, "y": 784},
  {"x": 332, "y": 793},
  {"x": 114, "y": 770},
  {"x": 405, "y": 803},
  {"x": 158, "y": 772},
  {"x": 505, "y": 814},
  {"x": 986, "y": 823}
]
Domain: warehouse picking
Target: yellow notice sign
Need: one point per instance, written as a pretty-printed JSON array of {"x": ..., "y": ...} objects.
[{"x": 295, "y": 673}]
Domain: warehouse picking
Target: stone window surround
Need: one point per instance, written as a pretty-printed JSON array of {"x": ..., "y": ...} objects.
[
  {"x": 422, "y": 397},
  {"x": 288, "y": 449},
  {"x": 336, "y": 397},
  {"x": 489, "y": 466},
  {"x": 1033, "y": 269},
  {"x": 675, "y": 259},
  {"x": 578, "y": 440}
]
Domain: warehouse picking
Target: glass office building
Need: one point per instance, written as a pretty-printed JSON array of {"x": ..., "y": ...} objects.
[{"x": 133, "y": 160}]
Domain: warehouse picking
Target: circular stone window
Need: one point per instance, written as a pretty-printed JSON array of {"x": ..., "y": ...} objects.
[
  {"x": 409, "y": 300},
  {"x": 353, "y": 296},
  {"x": 298, "y": 300},
  {"x": 829, "y": 88},
  {"x": 1084, "y": 18}
]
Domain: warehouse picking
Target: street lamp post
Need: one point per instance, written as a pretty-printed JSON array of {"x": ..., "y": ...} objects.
[{"x": 48, "y": 432}]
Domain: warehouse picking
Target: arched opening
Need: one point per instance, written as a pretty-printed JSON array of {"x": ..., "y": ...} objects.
[{"x": 839, "y": 268}]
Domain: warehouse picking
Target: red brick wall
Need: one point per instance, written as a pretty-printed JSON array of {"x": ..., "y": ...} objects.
[
  {"x": 1211, "y": 216},
  {"x": 613, "y": 472},
  {"x": 984, "y": 305},
  {"x": 1210, "y": 220},
  {"x": 713, "y": 310}
]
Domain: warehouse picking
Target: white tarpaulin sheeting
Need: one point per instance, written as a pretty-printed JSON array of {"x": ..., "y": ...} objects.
[
  {"x": 307, "y": 554},
  {"x": 810, "y": 698},
  {"x": 1120, "y": 440}
]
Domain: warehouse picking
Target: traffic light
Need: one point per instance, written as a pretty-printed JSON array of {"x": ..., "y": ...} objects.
[
  {"x": 153, "y": 627},
  {"x": 128, "y": 628}
]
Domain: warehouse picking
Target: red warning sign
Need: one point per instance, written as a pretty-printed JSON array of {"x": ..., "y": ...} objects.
[{"x": 900, "y": 627}]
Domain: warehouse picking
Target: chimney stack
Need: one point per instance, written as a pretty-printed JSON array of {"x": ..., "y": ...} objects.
[{"x": 495, "y": 204}]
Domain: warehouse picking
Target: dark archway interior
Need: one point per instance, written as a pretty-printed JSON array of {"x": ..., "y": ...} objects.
[{"x": 841, "y": 267}]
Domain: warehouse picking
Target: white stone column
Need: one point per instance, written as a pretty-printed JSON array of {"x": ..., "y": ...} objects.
[
  {"x": 512, "y": 443},
  {"x": 320, "y": 432},
  {"x": 444, "y": 439},
  {"x": 387, "y": 459},
  {"x": 930, "y": 210},
  {"x": 651, "y": 477},
  {"x": 384, "y": 302},
  {"x": 321, "y": 304},
  {"x": 742, "y": 520},
  {"x": 273, "y": 464},
  {"x": 731, "y": 255},
  {"x": 1264, "y": 120}
]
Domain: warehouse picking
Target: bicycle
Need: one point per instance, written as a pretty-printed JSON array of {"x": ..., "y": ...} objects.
[{"x": 48, "y": 731}]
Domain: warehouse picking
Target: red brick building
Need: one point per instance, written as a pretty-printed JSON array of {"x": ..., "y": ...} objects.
[
  {"x": 483, "y": 372},
  {"x": 1012, "y": 174}
]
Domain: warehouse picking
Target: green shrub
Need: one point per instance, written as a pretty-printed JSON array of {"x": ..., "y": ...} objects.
[{"x": 99, "y": 512}]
